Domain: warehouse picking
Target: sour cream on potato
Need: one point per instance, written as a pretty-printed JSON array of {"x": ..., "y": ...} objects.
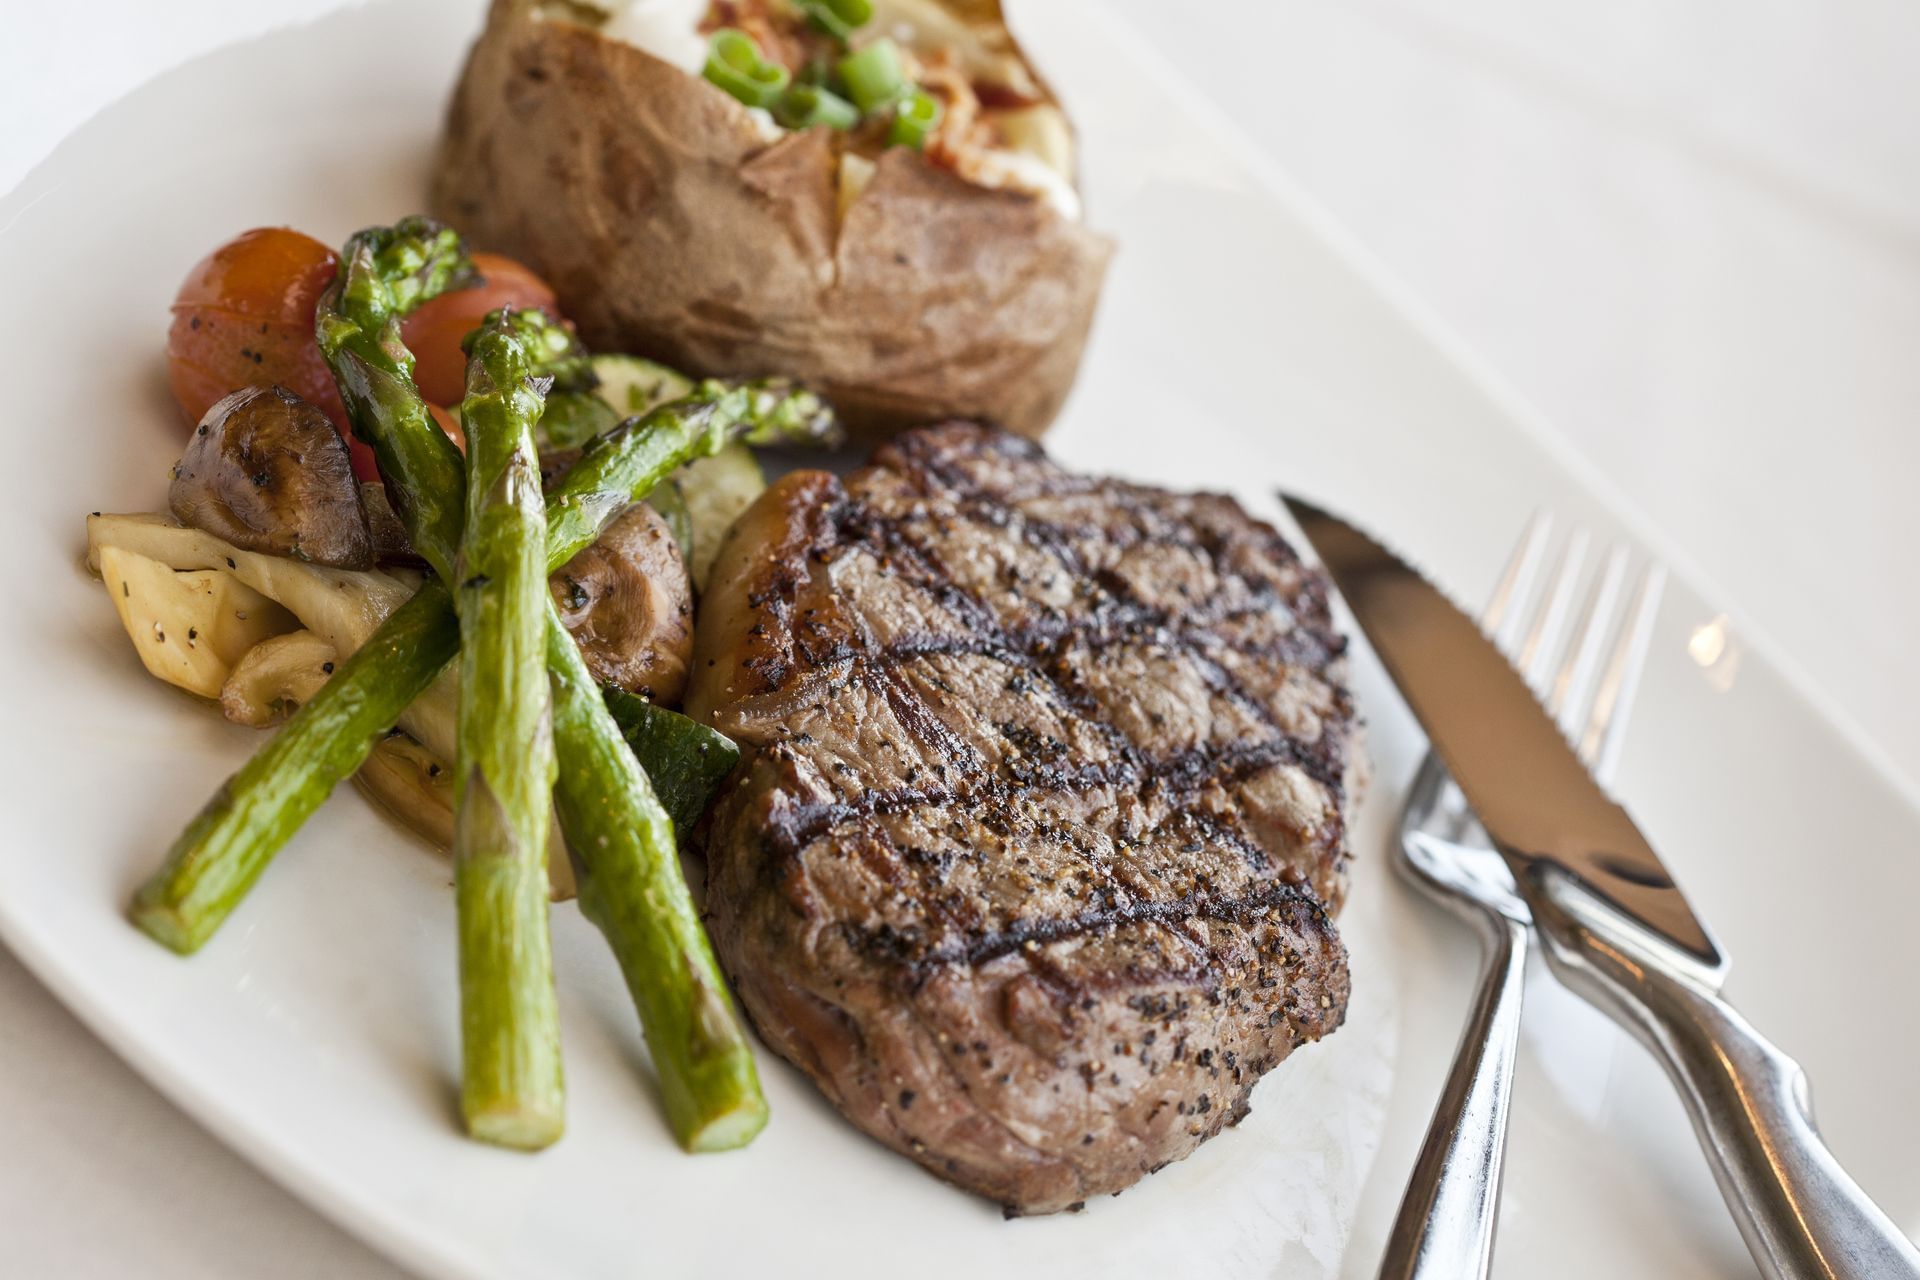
[{"x": 667, "y": 29}]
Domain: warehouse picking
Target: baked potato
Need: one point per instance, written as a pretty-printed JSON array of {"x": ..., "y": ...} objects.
[{"x": 946, "y": 276}]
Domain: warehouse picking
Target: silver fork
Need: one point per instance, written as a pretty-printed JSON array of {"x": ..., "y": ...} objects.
[{"x": 1445, "y": 1226}]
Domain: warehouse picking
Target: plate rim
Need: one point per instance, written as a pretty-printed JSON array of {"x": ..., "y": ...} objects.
[{"x": 386, "y": 1227}]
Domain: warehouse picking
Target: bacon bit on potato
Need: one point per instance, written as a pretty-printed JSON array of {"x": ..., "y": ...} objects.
[
  {"x": 1004, "y": 97},
  {"x": 957, "y": 141}
]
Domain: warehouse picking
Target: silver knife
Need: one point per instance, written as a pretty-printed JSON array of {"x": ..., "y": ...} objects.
[{"x": 1618, "y": 929}]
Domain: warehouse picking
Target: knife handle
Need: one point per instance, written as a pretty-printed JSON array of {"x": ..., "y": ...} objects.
[{"x": 1797, "y": 1209}]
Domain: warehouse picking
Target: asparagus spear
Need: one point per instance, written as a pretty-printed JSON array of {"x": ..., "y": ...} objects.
[
  {"x": 633, "y": 889},
  {"x": 216, "y": 860},
  {"x": 357, "y": 323},
  {"x": 512, "y": 1090},
  {"x": 624, "y": 465},
  {"x": 631, "y": 884}
]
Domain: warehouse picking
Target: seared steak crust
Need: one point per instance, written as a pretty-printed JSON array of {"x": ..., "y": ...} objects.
[{"x": 1031, "y": 858}]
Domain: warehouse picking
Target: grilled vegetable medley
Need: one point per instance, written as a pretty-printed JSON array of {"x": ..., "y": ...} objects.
[{"x": 441, "y": 549}]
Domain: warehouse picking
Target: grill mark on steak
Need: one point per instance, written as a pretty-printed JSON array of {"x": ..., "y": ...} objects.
[
  {"x": 1178, "y": 911},
  {"x": 918, "y": 718},
  {"x": 1026, "y": 650},
  {"x": 1040, "y": 811},
  {"x": 1181, "y": 774}
]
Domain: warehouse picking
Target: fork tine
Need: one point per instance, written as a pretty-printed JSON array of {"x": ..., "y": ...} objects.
[
  {"x": 1573, "y": 687},
  {"x": 1607, "y": 725},
  {"x": 1549, "y": 628},
  {"x": 1505, "y": 609}
]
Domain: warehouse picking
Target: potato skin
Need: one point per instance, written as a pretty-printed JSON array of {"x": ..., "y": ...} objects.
[{"x": 670, "y": 228}]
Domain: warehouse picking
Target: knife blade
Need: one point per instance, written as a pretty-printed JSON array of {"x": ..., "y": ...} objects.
[{"x": 1526, "y": 784}]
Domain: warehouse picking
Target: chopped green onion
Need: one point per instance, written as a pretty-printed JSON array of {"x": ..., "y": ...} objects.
[
  {"x": 838, "y": 18},
  {"x": 734, "y": 63},
  {"x": 809, "y": 104},
  {"x": 873, "y": 75},
  {"x": 914, "y": 117}
]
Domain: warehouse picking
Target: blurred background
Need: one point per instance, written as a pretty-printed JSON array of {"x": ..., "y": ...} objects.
[{"x": 1687, "y": 231}]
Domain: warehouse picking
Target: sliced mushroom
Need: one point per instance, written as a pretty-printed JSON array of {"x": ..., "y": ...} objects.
[
  {"x": 268, "y": 472},
  {"x": 343, "y": 606},
  {"x": 628, "y": 603},
  {"x": 275, "y": 677},
  {"x": 412, "y": 786}
]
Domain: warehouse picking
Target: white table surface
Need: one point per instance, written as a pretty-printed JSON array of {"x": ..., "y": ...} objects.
[{"x": 1687, "y": 230}]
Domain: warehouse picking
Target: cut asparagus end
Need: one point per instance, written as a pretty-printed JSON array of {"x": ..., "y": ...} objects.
[
  {"x": 165, "y": 923},
  {"x": 512, "y": 1087},
  {"x": 185, "y": 902},
  {"x": 730, "y": 1130},
  {"x": 727, "y": 1109},
  {"x": 516, "y": 1123}
]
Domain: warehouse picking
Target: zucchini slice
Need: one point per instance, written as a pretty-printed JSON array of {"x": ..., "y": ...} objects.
[{"x": 685, "y": 760}]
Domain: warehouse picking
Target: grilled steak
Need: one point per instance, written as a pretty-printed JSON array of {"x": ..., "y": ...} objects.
[{"x": 1030, "y": 859}]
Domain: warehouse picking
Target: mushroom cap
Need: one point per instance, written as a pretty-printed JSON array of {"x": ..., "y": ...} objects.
[
  {"x": 629, "y": 605},
  {"x": 268, "y": 472}
]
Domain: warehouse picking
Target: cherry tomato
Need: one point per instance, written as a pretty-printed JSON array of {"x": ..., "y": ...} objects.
[
  {"x": 244, "y": 316},
  {"x": 434, "y": 330},
  {"x": 270, "y": 273}
]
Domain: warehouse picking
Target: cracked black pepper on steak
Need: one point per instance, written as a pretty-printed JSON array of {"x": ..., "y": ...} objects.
[{"x": 1031, "y": 860}]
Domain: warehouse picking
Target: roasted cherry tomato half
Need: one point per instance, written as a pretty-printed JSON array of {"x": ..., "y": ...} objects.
[
  {"x": 244, "y": 317},
  {"x": 434, "y": 329}
]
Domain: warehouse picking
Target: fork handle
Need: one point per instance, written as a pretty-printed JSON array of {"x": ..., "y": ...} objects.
[
  {"x": 1797, "y": 1209},
  {"x": 1444, "y": 1230}
]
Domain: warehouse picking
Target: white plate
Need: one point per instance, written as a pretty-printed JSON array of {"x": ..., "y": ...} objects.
[{"x": 1242, "y": 344}]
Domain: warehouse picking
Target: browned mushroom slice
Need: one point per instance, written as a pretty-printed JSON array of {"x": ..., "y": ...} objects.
[
  {"x": 628, "y": 603},
  {"x": 268, "y": 472},
  {"x": 275, "y": 677},
  {"x": 404, "y": 779}
]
